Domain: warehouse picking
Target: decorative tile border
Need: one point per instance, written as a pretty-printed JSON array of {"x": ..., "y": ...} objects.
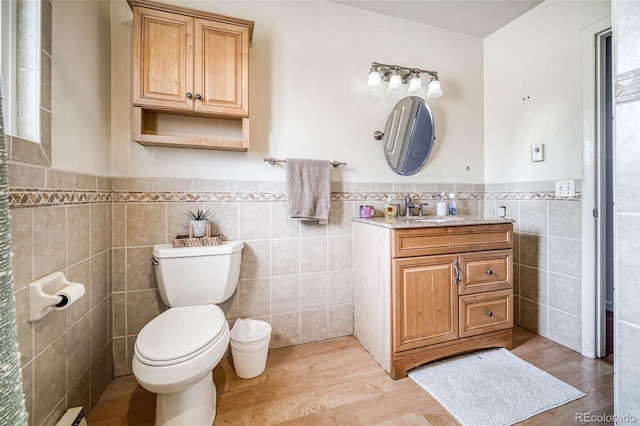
[
  {"x": 41, "y": 198},
  {"x": 185, "y": 197},
  {"x": 181, "y": 197},
  {"x": 627, "y": 87},
  {"x": 548, "y": 195}
]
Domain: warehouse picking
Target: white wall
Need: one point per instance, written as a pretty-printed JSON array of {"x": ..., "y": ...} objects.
[
  {"x": 533, "y": 92},
  {"x": 309, "y": 64},
  {"x": 80, "y": 88}
]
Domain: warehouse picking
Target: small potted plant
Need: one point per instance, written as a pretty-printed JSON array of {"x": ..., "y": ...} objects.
[{"x": 199, "y": 220}]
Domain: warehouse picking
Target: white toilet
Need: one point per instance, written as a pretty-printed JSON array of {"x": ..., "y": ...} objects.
[{"x": 175, "y": 353}]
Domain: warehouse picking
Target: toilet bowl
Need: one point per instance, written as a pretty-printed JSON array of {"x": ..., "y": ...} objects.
[
  {"x": 176, "y": 352},
  {"x": 174, "y": 356}
]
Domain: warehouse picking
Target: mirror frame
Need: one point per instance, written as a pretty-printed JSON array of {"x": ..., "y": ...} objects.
[
  {"x": 405, "y": 128},
  {"x": 24, "y": 150}
]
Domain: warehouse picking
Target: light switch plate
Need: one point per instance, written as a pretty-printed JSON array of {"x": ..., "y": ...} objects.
[
  {"x": 566, "y": 188},
  {"x": 537, "y": 152}
]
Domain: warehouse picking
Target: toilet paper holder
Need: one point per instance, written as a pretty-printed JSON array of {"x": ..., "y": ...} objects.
[{"x": 52, "y": 292}]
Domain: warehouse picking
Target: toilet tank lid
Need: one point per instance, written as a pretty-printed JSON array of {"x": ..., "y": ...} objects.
[{"x": 168, "y": 251}]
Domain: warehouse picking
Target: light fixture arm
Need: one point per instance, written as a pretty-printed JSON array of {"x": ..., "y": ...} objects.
[{"x": 386, "y": 70}]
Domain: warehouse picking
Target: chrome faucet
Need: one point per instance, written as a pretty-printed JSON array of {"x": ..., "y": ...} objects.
[{"x": 408, "y": 205}]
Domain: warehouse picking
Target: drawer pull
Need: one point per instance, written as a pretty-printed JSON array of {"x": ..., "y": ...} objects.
[
  {"x": 456, "y": 279},
  {"x": 489, "y": 272},
  {"x": 489, "y": 313}
]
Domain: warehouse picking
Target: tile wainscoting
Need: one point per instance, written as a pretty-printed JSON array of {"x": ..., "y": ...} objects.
[
  {"x": 65, "y": 225},
  {"x": 626, "y": 39},
  {"x": 547, "y": 257},
  {"x": 298, "y": 275},
  {"x": 295, "y": 275}
]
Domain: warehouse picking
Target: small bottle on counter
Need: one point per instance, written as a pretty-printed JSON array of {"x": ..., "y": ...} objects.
[
  {"x": 452, "y": 204},
  {"x": 390, "y": 209}
]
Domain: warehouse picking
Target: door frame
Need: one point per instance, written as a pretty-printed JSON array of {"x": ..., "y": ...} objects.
[{"x": 593, "y": 228}]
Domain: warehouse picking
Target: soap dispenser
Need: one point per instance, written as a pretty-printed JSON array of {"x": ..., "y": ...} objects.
[{"x": 452, "y": 204}]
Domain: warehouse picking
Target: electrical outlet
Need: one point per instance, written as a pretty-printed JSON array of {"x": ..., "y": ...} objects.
[
  {"x": 566, "y": 188},
  {"x": 537, "y": 152}
]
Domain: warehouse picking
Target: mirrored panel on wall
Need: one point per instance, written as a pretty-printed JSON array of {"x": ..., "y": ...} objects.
[{"x": 408, "y": 136}]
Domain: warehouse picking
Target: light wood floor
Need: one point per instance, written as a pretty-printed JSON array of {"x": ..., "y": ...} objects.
[{"x": 336, "y": 382}]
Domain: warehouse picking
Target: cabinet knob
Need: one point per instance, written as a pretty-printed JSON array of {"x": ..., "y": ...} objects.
[
  {"x": 189, "y": 95},
  {"x": 489, "y": 272},
  {"x": 489, "y": 313},
  {"x": 198, "y": 97}
]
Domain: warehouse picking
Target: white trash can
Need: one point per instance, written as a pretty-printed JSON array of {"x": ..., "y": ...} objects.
[{"x": 250, "y": 347}]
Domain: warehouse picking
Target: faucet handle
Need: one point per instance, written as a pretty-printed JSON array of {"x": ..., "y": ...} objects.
[{"x": 419, "y": 206}]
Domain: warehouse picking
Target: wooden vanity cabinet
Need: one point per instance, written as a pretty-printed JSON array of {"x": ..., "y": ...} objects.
[
  {"x": 444, "y": 291},
  {"x": 193, "y": 64},
  {"x": 425, "y": 308}
]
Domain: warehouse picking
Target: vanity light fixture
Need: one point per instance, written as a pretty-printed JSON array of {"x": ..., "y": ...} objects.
[
  {"x": 415, "y": 85},
  {"x": 434, "y": 90},
  {"x": 397, "y": 76},
  {"x": 395, "y": 81}
]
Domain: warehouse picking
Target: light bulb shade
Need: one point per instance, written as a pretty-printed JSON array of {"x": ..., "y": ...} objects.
[
  {"x": 375, "y": 82},
  {"x": 415, "y": 86},
  {"x": 434, "y": 90},
  {"x": 395, "y": 84}
]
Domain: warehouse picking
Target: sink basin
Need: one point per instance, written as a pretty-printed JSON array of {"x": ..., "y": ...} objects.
[{"x": 434, "y": 218}]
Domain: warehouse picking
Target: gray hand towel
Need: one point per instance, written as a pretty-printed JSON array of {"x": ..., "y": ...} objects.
[{"x": 309, "y": 189}]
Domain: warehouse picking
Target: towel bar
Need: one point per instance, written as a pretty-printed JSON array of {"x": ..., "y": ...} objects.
[{"x": 273, "y": 161}]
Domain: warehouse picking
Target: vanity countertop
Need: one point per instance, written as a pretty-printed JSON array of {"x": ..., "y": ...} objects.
[{"x": 429, "y": 221}]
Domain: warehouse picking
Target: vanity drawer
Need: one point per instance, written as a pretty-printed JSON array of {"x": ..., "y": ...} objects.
[
  {"x": 485, "y": 271},
  {"x": 451, "y": 239},
  {"x": 485, "y": 312}
]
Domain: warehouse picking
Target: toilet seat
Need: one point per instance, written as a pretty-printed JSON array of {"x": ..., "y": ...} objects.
[{"x": 179, "y": 334}]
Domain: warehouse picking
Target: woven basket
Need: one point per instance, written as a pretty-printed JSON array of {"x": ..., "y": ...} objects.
[
  {"x": 186, "y": 241},
  {"x": 191, "y": 241}
]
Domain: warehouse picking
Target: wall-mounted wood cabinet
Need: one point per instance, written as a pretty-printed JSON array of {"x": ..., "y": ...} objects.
[
  {"x": 435, "y": 292},
  {"x": 190, "y": 77}
]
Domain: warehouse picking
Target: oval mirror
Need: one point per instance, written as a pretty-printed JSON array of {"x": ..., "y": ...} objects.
[{"x": 408, "y": 135}]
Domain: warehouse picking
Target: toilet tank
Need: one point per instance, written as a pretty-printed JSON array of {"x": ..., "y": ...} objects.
[{"x": 189, "y": 276}]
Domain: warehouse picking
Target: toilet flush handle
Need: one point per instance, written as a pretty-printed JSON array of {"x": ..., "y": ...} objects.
[{"x": 154, "y": 261}]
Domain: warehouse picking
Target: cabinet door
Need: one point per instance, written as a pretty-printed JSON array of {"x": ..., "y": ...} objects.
[
  {"x": 221, "y": 53},
  {"x": 425, "y": 301},
  {"x": 162, "y": 60}
]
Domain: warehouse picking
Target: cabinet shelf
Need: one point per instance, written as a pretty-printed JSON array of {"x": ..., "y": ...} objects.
[{"x": 166, "y": 128}]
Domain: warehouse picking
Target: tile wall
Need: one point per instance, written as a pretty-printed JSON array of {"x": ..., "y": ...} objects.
[
  {"x": 67, "y": 356},
  {"x": 547, "y": 257},
  {"x": 295, "y": 275},
  {"x": 626, "y": 20}
]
